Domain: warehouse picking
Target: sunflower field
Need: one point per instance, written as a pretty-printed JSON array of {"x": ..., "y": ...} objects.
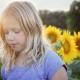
[{"x": 67, "y": 46}]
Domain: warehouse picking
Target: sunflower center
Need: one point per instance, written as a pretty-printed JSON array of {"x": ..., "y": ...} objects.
[
  {"x": 78, "y": 44},
  {"x": 52, "y": 37},
  {"x": 66, "y": 47}
]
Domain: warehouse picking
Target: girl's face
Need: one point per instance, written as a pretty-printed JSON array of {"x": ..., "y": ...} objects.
[{"x": 14, "y": 35}]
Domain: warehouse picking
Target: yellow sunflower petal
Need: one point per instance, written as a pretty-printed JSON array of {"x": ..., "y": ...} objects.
[
  {"x": 52, "y": 34},
  {"x": 68, "y": 48},
  {"x": 77, "y": 42}
]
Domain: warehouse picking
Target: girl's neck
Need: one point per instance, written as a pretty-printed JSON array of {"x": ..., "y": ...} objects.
[{"x": 20, "y": 60}]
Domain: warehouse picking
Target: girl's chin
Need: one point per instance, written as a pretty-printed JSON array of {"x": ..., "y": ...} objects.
[{"x": 17, "y": 50}]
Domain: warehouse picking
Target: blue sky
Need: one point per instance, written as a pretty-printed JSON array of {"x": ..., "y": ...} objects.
[{"x": 51, "y": 5}]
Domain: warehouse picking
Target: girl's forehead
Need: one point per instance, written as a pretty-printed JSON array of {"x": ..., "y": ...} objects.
[
  {"x": 7, "y": 17},
  {"x": 9, "y": 22}
]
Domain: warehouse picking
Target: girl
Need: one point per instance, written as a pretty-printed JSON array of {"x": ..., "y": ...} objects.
[{"x": 26, "y": 57}]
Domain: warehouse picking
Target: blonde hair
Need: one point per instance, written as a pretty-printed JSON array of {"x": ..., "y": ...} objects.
[{"x": 30, "y": 22}]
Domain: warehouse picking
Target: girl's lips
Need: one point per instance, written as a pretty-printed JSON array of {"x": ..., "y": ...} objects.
[{"x": 13, "y": 45}]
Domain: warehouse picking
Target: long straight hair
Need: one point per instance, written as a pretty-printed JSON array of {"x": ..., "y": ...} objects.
[{"x": 30, "y": 22}]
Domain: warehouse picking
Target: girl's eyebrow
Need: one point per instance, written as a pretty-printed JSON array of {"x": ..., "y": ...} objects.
[
  {"x": 11, "y": 28},
  {"x": 4, "y": 30},
  {"x": 15, "y": 28}
]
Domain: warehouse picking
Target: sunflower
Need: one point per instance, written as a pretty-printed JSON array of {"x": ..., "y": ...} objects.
[
  {"x": 68, "y": 47},
  {"x": 77, "y": 42},
  {"x": 52, "y": 34}
]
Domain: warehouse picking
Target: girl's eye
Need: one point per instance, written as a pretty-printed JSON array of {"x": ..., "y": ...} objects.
[
  {"x": 17, "y": 30},
  {"x": 6, "y": 32}
]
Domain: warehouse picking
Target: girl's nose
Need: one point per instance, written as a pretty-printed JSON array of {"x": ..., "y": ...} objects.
[{"x": 11, "y": 36}]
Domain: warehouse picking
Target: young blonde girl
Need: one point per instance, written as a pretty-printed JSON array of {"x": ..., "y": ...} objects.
[{"x": 26, "y": 56}]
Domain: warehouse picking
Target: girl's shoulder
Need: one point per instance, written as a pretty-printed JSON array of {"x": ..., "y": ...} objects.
[
  {"x": 3, "y": 72},
  {"x": 52, "y": 56},
  {"x": 52, "y": 62}
]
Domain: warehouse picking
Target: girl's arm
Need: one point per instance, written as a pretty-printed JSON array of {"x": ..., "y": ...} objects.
[{"x": 61, "y": 74}]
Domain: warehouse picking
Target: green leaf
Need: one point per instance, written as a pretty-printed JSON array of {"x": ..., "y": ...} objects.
[
  {"x": 57, "y": 45},
  {"x": 75, "y": 67}
]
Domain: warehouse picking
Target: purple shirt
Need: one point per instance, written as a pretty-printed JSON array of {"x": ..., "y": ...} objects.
[{"x": 44, "y": 71}]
